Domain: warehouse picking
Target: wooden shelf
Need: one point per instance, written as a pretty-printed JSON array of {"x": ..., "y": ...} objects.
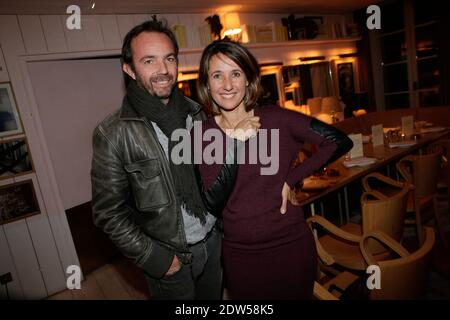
[{"x": 291, "y": 43}]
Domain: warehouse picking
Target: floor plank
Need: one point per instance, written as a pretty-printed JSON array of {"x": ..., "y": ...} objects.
[{"x": 108, "y": 281}]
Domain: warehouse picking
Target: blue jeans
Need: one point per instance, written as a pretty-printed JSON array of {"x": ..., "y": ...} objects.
[{"x": 201, "y": 279}]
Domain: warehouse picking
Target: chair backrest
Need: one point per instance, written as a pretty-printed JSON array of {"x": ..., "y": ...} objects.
[
  {"x": 315, "y": 105},
  {"x": 404, "y": 277},
  {"x": 385, "y": 213},
  {"x": 422, "y": 171}
]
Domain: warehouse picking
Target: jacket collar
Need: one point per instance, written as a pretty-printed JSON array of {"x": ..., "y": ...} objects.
[{"x": 127, "y": 112}]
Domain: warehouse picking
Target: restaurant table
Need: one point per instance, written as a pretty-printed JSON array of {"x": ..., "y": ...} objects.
[{"x": 383, "y": 154}]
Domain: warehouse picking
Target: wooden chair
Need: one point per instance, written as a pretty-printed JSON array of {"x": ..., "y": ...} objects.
[
  {"x": 422, "y": 171},
  {"x": 385, "y": 213},
  {"x": 401, "y": 278},
  {"x": 321, "y": 293},
  {"x": 404, "y": 277}
]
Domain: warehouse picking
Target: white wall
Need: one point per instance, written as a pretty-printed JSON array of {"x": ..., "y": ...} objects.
[{"x": 72, "y": 97}]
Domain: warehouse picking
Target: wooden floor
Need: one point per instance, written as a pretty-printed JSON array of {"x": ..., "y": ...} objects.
[{"x": 118, "y": 280}]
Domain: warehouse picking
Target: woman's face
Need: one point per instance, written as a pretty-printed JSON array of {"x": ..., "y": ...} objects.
[{"x": 226, "y": 82}]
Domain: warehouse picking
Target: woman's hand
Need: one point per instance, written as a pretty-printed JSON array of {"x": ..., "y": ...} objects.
[
  {"x": 245, "y": 129},
  {"x": 287, "y": 194}
]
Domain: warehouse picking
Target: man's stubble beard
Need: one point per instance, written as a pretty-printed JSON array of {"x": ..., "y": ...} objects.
[{"x": 147, "y": 85}]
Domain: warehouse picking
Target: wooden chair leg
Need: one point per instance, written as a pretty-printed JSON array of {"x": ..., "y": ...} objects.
[{"x": 439, "y": 223}]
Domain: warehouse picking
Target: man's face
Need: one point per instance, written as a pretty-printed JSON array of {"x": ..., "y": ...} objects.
[{"x": 155, "y": 64}]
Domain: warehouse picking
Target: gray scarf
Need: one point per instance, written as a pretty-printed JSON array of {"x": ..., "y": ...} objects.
[{"x": 169, "y": 118}]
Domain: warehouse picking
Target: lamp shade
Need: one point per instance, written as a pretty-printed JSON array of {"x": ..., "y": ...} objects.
[
  {"x": 331, "y": 105},
  {"x": 231, "y": 24},
  {"x": 315, "y": 105}
]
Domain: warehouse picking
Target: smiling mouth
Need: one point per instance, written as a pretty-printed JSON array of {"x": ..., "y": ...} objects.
[
  {"x": 228, "y": 95},
  {"x": 162, "y": 81}
]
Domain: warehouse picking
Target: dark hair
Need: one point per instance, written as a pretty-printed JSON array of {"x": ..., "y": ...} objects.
[
  {"x": 148, "y": 26},
  {"x": 243, "y": 58}
]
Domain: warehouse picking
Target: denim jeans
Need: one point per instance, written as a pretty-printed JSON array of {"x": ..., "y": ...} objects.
[{"x": 201, "y": 279}]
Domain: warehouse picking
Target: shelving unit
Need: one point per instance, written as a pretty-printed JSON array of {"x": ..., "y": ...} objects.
[{"x": 292, "y": 43}]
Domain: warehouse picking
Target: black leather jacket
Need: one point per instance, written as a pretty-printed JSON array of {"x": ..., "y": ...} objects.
[{"x": 133, "y": 193}]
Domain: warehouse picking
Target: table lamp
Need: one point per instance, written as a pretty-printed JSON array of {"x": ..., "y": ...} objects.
[{"x": 232, "y": 26}]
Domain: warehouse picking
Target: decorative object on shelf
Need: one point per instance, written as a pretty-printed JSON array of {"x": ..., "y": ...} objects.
[
  {"x": 205, "y": 34},
  {"x": 215, "y": 26},
  {"x": 15, "y": 158},
  {"x": 180, "y": 33},
  {"x": 10, "y": 122},
  {"x": 18, "y": 201},
  {"x": 232, "y": 26},
  {"x": 300, "y": 28},
  {"x": 249, "y": 33},
  {"x": 322, "y": 32},
  {"x": 264, "y": 34}
]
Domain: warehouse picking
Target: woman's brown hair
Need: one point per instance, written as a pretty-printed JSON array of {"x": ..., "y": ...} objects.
[{"x": 243, "y": 58}]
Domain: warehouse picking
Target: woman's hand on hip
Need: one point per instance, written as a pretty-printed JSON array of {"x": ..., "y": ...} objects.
[{"x": 287, "y": 194}]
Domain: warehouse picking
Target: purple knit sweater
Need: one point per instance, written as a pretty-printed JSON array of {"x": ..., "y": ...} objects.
[{"x": 252, "y": 217}]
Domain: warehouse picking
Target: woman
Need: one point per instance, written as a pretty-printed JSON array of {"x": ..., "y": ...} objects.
[{"x": 266, "y": 254}]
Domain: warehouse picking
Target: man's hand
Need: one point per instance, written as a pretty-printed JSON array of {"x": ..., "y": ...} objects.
[
  {"x": 245, "y": 129},
  {"x": 287, "y": 194},
  {"x": 174, "y": 267}
]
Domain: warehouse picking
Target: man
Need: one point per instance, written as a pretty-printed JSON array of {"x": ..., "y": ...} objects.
[{"x": 151, "y": 208}]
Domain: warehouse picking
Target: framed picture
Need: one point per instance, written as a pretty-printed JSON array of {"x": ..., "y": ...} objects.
[
  {"x": 10, "y": 122},
  {"x": 15, "y": 158},
  {"x": 17, "y": 201},
  {"x": 345, "y": 73},
  {"x": 272, "y": 83}
]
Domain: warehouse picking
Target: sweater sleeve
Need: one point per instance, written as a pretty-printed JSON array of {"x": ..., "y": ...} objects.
[
  {"x": 216, "y": 189},
  {"x": 331, "y": 144}
]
